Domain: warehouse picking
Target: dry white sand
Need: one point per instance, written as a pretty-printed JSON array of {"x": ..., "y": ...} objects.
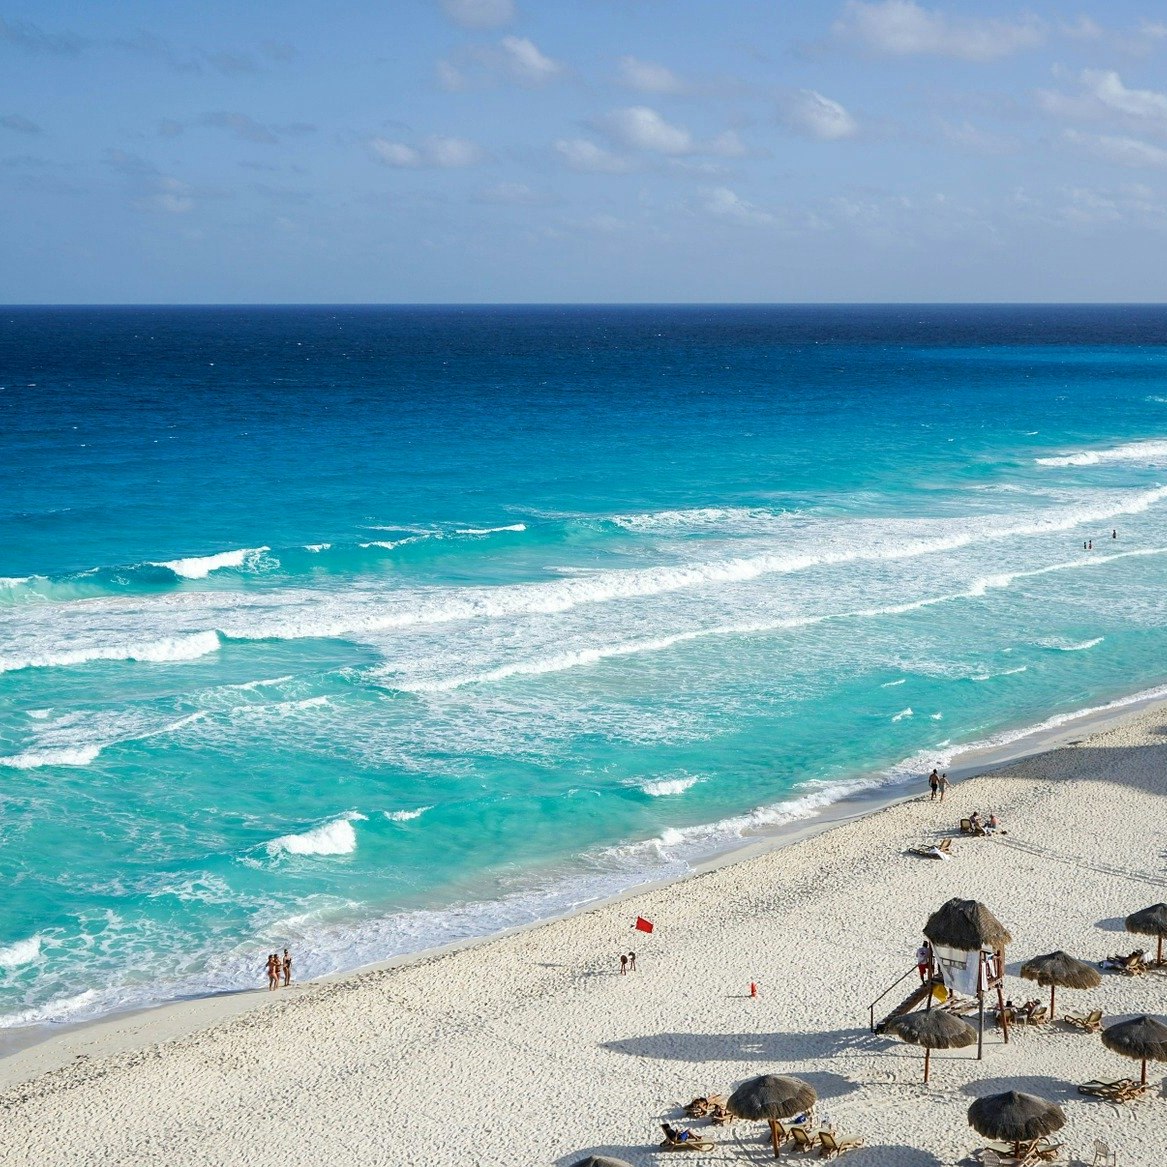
[{"x": 532, "y": 1049}]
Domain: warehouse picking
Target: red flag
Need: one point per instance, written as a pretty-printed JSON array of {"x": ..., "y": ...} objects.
[{"x": 643, "y": 925}]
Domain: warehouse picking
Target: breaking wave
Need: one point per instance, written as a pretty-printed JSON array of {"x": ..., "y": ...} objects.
[
  {"x": 169, "y": 648},
  {"x": 337, "y": 837},
  {"x": 200, "y": 566},
  {"x": 1153, "y": 453}
]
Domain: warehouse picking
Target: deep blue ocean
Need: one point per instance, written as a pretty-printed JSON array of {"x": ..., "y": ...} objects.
[{"x": 360, "y": 630}]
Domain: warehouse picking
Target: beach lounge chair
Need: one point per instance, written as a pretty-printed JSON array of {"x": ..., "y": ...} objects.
[
  {"x": 832, "y": 1145},
  {"x": 1121, "y": 1090},
  {"x": 1087, "y": 1022},
  {"x": 966, "y": 826},
  {"x": 1103, "y": 1155},
  {"x": 684, "y": 1141},
  {"x": 701, "y": 1106},
  {"x": 990, "y": 1158},
  {"x": 929, "y": 852},
  {"x": 803, "y": 1139}
]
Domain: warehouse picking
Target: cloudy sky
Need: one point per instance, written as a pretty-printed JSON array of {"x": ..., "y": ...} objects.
[{"x": 582, "y": 150}]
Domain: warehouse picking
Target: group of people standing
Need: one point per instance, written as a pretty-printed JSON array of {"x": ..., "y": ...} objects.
[
  {"x": 627, "y": 963},
  {"x": 279, "y": 968},
  {"x": 939, "y": 784}
]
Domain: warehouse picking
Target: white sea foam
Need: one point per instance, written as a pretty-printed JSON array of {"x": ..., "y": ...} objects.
[
  {"x": 893, "y": 684},
  {"x": 200, "y": 566},
  {"x": 317, "y": 547},
  {"x": 40, "y": 714},
  {"x": 903, "y": 713},
  {"x": 34, "y": 759},
  {"x": 985, "y": 676},
  {"x": 337, "y": 837},
  {"x": 21, "y": 952},
  {"x": 697, "y": 518},
  {"x": 1153, "y": 453},
  {"x": 662, "y": 787},
  {"x": 14, "y": 581},
  {"x": 169, "y": 648},
  {"x": 405, "y": 816},
  {"x": 1063, "y": 646},
  {"x": 490, "y": 530},
  {"x": 936, "y": 716}
]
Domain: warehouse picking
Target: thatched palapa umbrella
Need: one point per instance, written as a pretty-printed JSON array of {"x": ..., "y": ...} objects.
[
  {"x": 1015, "y": 1118},
  {"x": 771, "y": 1098},
  {"x": 1143, "y": 1037},
  {"x": 1150, "y": 921},
  {"x": 1059, "y": 968},
  {"x": 601, "y": 1161},
  {"x": 966, "y": 925},
  {"x": 933, "y": 1030}
]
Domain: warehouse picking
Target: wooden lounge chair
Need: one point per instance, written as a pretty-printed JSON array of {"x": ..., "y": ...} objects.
[
  {"x": 1122, "y": 1090},
  {"x": 803, "y": 1138},
  {"x": 1087, "y": 1022},
  {"x": 831, "y": 1145},
  {"x": 691, "y": 1142}
]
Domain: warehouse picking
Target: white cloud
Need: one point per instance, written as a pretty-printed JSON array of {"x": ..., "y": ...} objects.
[
  {"x": 439, "y": 152},
  {"x": 1124, "y": 151},
  {"x": 1108, "y": 88},
  {"x": 904, "y": 28},
  {"x": 479, "y": 13},
  {"x": 726, "y": 204},
  {"x": 525, "y": 63},
  {"x": 1103, "y": 95},
  {"x": 580, "y": 154},
  {"x": 641, "y": 128},
  {"x": 649, "y": 77},
  {"x": 810, "y": 113}
]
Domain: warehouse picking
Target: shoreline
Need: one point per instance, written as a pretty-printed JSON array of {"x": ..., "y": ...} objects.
[
  {"x": 28, "y": 1052},
  {"x": 531, "y": 1049}
]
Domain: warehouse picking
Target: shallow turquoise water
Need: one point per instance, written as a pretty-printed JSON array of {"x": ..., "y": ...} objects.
[{"x": 363, "y": 630}]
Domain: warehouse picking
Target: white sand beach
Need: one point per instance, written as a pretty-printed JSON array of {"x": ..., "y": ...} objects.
[{"x": 532, "y": 1049}]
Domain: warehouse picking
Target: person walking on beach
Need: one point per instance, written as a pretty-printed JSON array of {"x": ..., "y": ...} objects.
[
  {"x": 273, "y": 971},
  {"x": 1114, "y": 534},
  {"x": 934, "y": 782},
  {"x": 632, "y": 962},
  {"x": 943, "y": 785},
  {"x": 623, "y": 964},
  {"x": 287, "y": 968}
]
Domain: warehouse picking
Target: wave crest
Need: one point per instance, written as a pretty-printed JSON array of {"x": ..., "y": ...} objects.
[
  {"x": 337, "y": 837},
  {"x": 200, "y": 566}
]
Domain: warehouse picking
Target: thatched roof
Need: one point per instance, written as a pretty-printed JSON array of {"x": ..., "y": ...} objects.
[
  {"x": 934, "y": 1029},
  {"x": 966, "y": 925},
  {"x": 1150, "y": 921},
  {"x": 601, "y": 1161},
  {"x": 1140, "y": 1037},
  {"x": 771, "y": 1096},
  {"x": 1015, "y": 1117},
  {"x": 1061, "y": 969}
]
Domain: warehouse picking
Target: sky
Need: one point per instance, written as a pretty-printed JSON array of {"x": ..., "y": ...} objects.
[{"x": 509, "y": 151}]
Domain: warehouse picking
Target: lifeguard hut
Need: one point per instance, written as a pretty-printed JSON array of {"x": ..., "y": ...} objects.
[{"x": 968, "y": 953}]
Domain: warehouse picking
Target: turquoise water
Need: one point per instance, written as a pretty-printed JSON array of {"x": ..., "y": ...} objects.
[{"x": 362, "y": 630}]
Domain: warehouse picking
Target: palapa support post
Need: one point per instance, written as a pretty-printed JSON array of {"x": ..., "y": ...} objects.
[
  {"x": 927, "y": 1057},
  {"x": 774, "y": 1136},
  {"x": 1001, "y": 993},
  {"x": 981, "y": 1025}
]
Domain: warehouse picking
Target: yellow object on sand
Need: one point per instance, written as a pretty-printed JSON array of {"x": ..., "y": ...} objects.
[{"x": 939, "y": 993}]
